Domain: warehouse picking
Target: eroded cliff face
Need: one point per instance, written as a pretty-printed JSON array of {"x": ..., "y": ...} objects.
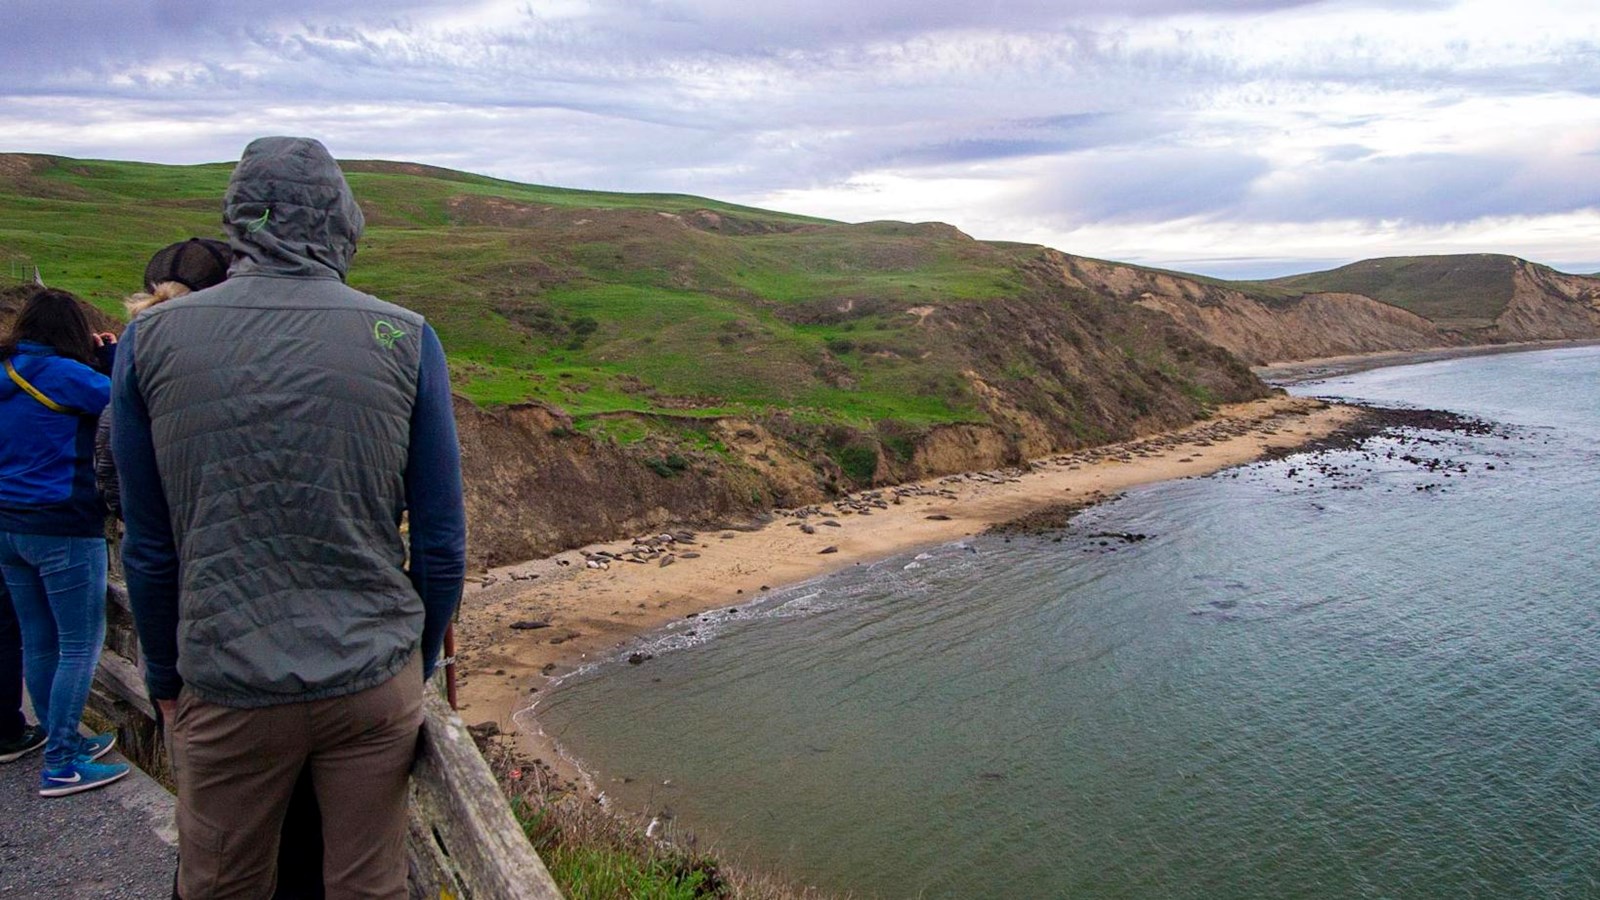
[
  {"x": 1544, "y": 305},
  {"x": 1057, "y": 369},
  {"x": 1260, "y": 331},
  {"x": 534, "y": 485},
  {"x": 1548, "y": 305}
]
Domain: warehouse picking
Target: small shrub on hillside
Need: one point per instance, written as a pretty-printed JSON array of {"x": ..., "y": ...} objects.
[
  {"x": 901, "y": 446},
  {"x": 536, "y": 317},
  {"x": 667, "y": 466},
  {"x": 1200, "y": 394},
  {"x": 950, "y": 388},
  {"x": 859, "y": 462},
  {"x": 582, "y": 327}
]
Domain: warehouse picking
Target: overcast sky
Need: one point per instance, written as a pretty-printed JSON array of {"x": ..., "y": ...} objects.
[{"x": 1233, "y": 137}]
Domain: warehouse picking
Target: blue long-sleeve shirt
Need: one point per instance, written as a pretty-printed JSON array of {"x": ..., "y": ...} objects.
[{"x": 438, "y": 530}]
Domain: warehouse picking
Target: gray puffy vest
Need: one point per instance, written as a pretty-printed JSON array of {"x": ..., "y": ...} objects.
[
  {"x": 280, "y": 411},
  {"x": 280, "y": 408}
]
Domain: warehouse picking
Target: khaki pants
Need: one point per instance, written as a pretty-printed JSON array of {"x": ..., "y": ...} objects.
[{"x": 236, "y": 769}]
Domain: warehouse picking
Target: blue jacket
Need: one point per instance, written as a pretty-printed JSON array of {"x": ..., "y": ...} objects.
[{"x": 47, "y": 457}]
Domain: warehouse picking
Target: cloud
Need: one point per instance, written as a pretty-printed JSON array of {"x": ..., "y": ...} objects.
[
  {"x": 1139, "y": 185},
  {"x": 721, "y": 24},
  {"x": 1144, "y": 114},
  {"x": 1346, "y": 153},
  {"x": 53, "y": 42},
  {"x": 1429, "y": 189}
]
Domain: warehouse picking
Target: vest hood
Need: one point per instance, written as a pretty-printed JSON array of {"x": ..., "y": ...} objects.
[{"x": 289, "y": 211}]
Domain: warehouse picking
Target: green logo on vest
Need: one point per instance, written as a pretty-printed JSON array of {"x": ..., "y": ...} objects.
[{"x": 386, "y": 334}]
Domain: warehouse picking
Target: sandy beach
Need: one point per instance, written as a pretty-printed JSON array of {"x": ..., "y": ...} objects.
[{"x": 523, "y": 626}]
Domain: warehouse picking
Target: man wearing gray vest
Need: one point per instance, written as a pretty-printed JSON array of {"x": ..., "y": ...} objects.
[{"x": 269, "y": 432}]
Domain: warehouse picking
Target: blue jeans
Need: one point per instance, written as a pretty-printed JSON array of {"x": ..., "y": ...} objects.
[
  {"x": 11, "y": 722},
  {"x": 58, "y": 588}
]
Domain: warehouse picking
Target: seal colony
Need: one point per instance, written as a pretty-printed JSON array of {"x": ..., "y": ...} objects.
[{"x": 523, "y": 626}]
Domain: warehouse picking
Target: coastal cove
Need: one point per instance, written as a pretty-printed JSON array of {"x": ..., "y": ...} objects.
[
  {"x": 572, "y": 615},
  {"x": 1216, "y": 721}
]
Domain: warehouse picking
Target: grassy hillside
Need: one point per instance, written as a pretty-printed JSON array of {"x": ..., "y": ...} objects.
[
  {"x": 1460, "y": 292},
  {"x": 601, "y": 304}
]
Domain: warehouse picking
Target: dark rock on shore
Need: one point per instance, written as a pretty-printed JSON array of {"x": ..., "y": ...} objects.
[
  {"x": 1041, "y": 521},
  {"x": 1378, "y": 420},
  {"x": 1123, "y": 536}
]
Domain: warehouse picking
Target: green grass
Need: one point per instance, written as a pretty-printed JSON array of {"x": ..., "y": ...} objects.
[
  {"x": 617, "y": 430},
  {"x": 597, "y": 874},
  {"x": 600, "y": 304},
  {"x": 593, "y": 856},
  {"x": 384, "y": 179}
]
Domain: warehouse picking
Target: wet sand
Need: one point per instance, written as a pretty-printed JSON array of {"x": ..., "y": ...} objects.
[{"x": 534, "y": 622}]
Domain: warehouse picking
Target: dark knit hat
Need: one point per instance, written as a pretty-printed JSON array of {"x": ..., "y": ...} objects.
[{"x": 197, "y": 264}]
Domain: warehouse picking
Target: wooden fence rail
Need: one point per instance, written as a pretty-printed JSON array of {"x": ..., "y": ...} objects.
[{"x": 462, "y": 841}]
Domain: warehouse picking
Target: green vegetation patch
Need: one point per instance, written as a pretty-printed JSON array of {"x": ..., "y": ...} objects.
[
  {"x": 595, "y": 874},
  {"x": 636, "y": 314},
  {"x": 1467, "y": 290},
  {"x": 592, "y": 857}
]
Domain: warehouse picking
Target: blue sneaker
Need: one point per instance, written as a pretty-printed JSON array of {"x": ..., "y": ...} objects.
[
  {"x": 31, "y": 739},
  {"x": 96, "y": 746},
  {"x": 78, "y": 776}
]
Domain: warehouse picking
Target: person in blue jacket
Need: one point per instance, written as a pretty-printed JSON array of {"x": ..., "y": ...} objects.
[{"x": 52, "y": 538}]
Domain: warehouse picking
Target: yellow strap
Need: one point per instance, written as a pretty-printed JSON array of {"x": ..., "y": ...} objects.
[{"x": 35, "y": 392}]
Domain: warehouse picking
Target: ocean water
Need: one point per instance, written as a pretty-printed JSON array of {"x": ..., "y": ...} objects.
[{"x": 1345, "y": 675}]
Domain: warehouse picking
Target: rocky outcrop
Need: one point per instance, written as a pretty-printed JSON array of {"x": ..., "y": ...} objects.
[
  {"x": 1549, "y": 305},
  {"x": 962, "y": 448},
  {"x": 534, "y": 485},
  {"x": 1256, "y": 329},
  {"x": 1315, "y": 325},
  {"x": 1265, "y": 324}
]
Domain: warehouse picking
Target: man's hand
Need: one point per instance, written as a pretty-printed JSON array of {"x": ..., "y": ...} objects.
[{"x": 169, "y": 710}]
